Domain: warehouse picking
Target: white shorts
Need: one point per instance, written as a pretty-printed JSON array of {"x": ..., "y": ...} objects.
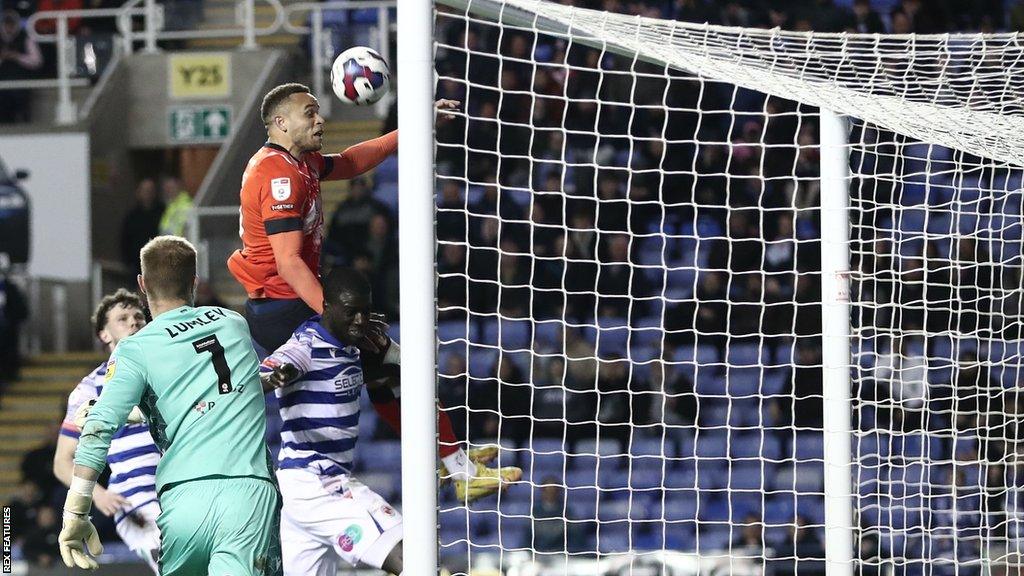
[
  {"x": 139, "y": 531},
  {"x": 329, "y": 517}
]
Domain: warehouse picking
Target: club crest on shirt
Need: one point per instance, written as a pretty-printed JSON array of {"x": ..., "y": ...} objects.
[{"x": 281, "y": 188}]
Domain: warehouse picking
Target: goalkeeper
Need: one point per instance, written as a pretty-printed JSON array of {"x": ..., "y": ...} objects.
[
  {"x": 328, "y": 514},
  {"x": 194, "y": 374}
]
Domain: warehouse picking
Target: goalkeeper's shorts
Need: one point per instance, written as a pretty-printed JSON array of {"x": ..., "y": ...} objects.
[
  {"x": 327, "y": 518},
  {"x": 220, "y": 526}
]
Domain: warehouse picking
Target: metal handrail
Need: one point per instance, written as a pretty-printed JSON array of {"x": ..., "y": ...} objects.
[
  {"x": 153, "y": 32},
  {"x": 316, "y": 32}
]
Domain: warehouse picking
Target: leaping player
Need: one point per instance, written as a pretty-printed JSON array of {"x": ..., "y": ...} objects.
[
  {"x": 328, "y": 514},
  {"x": 130, "y": 496},
  {"x": 281, "y": 218}
]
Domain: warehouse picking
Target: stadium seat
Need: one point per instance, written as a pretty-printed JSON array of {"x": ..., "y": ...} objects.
[
  {"x": 482, "y": 362},
  {"x": 744, "y": 382},
  {"x": 456, "y": 330},
  {"x": 754, "y": 446},
  {"x": 613, "y": 537},
  {"x": 711, "y": 445},
  {"x": 743, "y": 355},
  {"x": 382, "y": 455},
  {"x": 749, "y": 476},
  {"x": 809, "y": 446}
]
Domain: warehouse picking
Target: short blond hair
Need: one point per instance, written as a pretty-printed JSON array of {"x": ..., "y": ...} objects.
[{"x": 169, "y": 268}]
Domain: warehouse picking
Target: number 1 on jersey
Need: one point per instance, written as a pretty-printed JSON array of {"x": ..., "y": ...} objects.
[{"x": 220, "y": 365}]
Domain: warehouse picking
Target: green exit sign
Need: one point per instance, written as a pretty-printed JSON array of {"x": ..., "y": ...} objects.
[{"x": 200, "y": 123}]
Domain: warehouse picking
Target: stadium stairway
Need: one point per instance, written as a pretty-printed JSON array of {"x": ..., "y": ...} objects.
[
  {"x": 30, "y": 409},
  {"x": 220, "y": 14}
]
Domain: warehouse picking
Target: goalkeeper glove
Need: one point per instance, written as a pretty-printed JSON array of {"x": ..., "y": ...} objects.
[
  {"x": 483, "y": 481},
  {"x": 78, "y": 533},
  {"x": 486, "y": 481},
  {"x": 82, "y": 414}
]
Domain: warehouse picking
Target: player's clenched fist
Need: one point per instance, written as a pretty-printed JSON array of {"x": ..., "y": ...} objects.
[{"x": 277, "y": 375}]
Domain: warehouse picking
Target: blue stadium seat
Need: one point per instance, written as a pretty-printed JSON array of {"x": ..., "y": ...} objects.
[
  {"x": 711, "y": 445},
  {"x": 774, "y": 381},
  {"x": 713, "y": 538},
  {"x": 383, "y": 455},
  {"x": 548, "y": 332},
  {"x": 749, "y": 476},
  {"x": 648, "y": 332},
  {"x": 803, "y": 478},
  {"x": 455, "y": 330},
  {"x": 387, "y": 171},
  {"x": 613, "y": 479},
  {"x": 603, "y": 448},
  {"x": 710, "y": 383},
  {"x": 755, "y": 445},
  {"x": 611, "y": 510},
  {"x": 744, "y": 382},
  {"x": 387, "y": 192},
  {"x": 482, "y": 362},
  {"x": 613, "y": 537},
  {"x": 681, "y": 506},
  {"x": 712, "y": 474},
  {"x": 809, "y": 446},
  {"x": 581, "y": 478},
  {"x": 645, "y": 480},
  {"x": 744, "y": 355},
  {"x": 395, "y": 331}
]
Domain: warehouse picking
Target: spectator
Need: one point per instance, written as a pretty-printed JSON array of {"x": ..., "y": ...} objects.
[
  {"x": 24, "y": 505},
  {"x": 901, "y": 373},
  {"x": 751, "y": 537},
  {"x": 350, "y": 223},
  {"x": 865, "y": 19},
  {"x": 40, "y": 544},
  {"x": 179, "y": 207},
  {"x": 550, "y": 531},
  {"x": 381, "y": 247},
  {"x": 207, "y": 296},
  {"x": 141, "y": 224},
  {"x": 20, "y": 58},
  {"x": 13, "y": 312}
]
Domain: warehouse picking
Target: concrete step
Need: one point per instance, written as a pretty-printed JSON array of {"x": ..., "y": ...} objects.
[
  {"x": 18, "y": 447},
  {"x": 40, "y": 405},
  {"x": 62, "y": 387},
  {"x": 271, "y": 41},
  {"x": 34, "y": 430},
  {"x": 66, "y": 358}
]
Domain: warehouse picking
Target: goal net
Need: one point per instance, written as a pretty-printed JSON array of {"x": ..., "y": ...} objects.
[{"x": 708, "y": 336}]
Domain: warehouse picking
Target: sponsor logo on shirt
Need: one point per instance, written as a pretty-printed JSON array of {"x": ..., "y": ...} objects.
[
  {"x": 349, "y": 381},
  {"x": 353, "y": 534},
  {"x": 202, "y": 407},
  {"x": 281, "y": 188},
  {"x": 277, "y": 207}
]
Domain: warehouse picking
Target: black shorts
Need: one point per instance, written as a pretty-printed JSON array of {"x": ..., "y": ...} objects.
[{"x": 271, "y": 321}]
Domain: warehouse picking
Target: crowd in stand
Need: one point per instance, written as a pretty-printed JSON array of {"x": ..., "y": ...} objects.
[
  {"x": 620, "y": 197},
  {"x": 614, "y": 216}
]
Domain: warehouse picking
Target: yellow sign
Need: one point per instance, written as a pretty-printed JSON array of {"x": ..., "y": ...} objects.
[{"x": 199, "y": 75}]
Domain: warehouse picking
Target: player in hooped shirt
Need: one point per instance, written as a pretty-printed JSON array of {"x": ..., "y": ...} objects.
[
  {"x": 327, "y": 513},
  {"x": 130, "y": 496}
]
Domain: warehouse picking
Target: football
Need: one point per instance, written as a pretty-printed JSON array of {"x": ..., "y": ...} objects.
[{"x": 360, "y": 76}]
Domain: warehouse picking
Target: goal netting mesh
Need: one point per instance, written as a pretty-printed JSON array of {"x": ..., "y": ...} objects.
[{"x": 629, "y": 293}]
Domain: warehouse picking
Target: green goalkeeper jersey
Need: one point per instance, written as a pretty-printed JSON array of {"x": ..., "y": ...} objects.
[{"x": 194, "y": 374}]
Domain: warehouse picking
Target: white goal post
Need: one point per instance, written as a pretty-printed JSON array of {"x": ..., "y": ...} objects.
[{"x": 725, "y": 294}]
